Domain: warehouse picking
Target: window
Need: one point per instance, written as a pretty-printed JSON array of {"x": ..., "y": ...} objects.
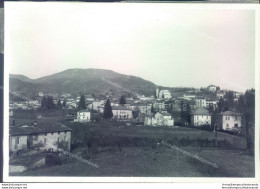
[
  {"x": 36, "y": 137},
  {"x": 227, "y": 125},
  {"x": 17, "y": 140},
  {"x": 236, "y": 125}
]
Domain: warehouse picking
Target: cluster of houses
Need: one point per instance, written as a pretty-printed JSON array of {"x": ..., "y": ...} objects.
[
  {"x": 152, "y": 111},
  {"x": 25, "y": 105}
]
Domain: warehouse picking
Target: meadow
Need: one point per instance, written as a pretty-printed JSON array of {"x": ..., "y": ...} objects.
[{"x": 138, "y": 150}]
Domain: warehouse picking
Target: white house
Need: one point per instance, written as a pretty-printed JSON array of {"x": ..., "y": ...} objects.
[
  {"x": 229, "y": 120},
  {"x": 158, "y": 105},
  {"x": 200, "y": 102},
  {"x": 144, "y": 108},
  {"x": 220, "y": 94},
  {"x": 212, "y": 88},
  {"x": 122, "y": 112},
  {"x": 83, "y": 116},
  {"x": 160, "y": 119},
  {"x": 46, "y": 136},
  {"x": 164, "y": 118},
  {"x": 212, "y": 102},
  {"x": 150, "y": 120},
  {"x": 163, "y": 93},
  {"x": 200, "y": 116}
]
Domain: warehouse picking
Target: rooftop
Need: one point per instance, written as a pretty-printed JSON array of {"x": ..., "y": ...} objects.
[
  {"x": 230, "y": 113},
  {"x": 200, "y": 111},
  {"x": 84, "y": 110},
  {"x": 40, "y": 128},
  {"x": 164, "y": 113},
  {"x": 120, "y": 108}
]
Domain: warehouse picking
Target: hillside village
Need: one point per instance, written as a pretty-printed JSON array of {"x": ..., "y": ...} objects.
[{"x": 41, "y": 126}]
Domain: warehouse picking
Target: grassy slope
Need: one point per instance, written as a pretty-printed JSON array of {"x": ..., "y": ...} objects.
[{"x": 141, "y": 158}]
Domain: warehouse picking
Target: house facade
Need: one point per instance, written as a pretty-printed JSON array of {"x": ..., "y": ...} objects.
[
  {"x": 212, "y": 103},
  {"x": 122, "y": 112},
  {"x": 144, "y": 108},
  {"x": 200, "y": 102},
  {"x": 159, "y": 119},
  {"x": 212, "y": 88},
  {"x": 229, "y": 120},
  {"x": 83, "y": 116},
  {"x": 200, "y": 116},
  {"x": 164, "y": 118}
]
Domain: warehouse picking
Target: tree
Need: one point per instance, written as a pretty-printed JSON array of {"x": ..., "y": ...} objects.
[
  {"x": 47, "y": 103},
  {"x": 122, "y": 100},
  {"x": 221, "y": 104},
  {"x": 153, "y": 110},
  {"x": 229, "y": 100},
  {"x": 59, "y": 106},
  {"x": 188, "y": 113},
  {"x": 182, "y": 113},
  {"x": 211, "y": 109},
  {"x": 249, "y": 115},
  {"x": 64, "y": 103},
  {"x": 108, "y": 114},
  {"x": 82, "y": 102},
  {"x": 136, "y": 112}
]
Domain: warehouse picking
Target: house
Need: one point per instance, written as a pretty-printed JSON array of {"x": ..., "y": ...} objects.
[
  {"x": 144, "y": 108},
  {"x": 212, "y": 88},
  {"x": 212, "y": 103},
  {"x": 159, "y": 119},
  {"x": 200, "y": 116},
  {"x": 220, "y": 94},
  {"x": 83, "y": 116},
  {"x": 122, "y": 112},
  {"x": 146, "y": 98},
  {"x": 200, "y": 102},
  {"x": 189, "y": 97},
  {"x": 229, "y": 120},
  {"x": 164, "y": 118},
  {"x": 158, "y": 105},
  {"x": 150, "y": 120},
  {"x": 44, "y": 135},
  {"x": 163, "y": 93}
]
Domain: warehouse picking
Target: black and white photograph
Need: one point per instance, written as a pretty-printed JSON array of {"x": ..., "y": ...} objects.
[{"x": 130, "y": 90}]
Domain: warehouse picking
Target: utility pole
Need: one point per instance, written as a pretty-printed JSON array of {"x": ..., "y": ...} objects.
[{"x": 216, "y": 135}]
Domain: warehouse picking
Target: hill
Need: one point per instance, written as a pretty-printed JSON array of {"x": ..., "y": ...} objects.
[{"x": 87, "y": 81}]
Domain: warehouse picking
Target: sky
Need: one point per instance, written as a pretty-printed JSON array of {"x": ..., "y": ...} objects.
[{"x": 168, "y": 44}]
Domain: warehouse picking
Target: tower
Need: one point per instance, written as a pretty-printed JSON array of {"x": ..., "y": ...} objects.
[{"x": 157, "y": 91}]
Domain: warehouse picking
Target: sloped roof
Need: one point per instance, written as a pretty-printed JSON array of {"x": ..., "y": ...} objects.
[
  {"x": 84, "y": 110},
  {"x": 200, "y": 111},
  {"x": 164, "y": 113},
  {"x": 230, "y": 113},
  {"x": 120, "y": 108},
  {"x": 40, "y": 128}
]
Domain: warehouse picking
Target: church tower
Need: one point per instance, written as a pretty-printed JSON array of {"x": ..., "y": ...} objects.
[{"x": 157, "y": 91}]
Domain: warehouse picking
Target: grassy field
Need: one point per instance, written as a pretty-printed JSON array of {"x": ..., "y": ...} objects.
[{"x": 122, "y": 150}]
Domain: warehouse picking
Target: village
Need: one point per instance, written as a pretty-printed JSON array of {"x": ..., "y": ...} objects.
[{"x": 41, "y": 127}]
